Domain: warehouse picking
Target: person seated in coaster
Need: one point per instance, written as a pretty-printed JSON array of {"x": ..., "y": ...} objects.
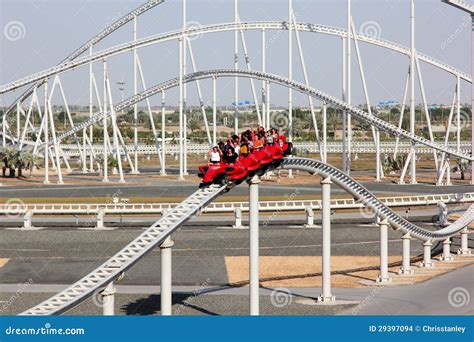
[{"x": 215, "y": 155}]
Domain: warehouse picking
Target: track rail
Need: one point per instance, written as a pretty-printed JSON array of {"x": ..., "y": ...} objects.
[
  {"x": 256, "y": 25},
  {"x": 276, "y": 79},
  {"x": 359, "y": 192},
  {"x": 170, "y": 222}
]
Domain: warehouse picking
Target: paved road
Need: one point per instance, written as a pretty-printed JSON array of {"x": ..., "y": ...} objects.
[
  {"x": 167, "y": 188},
  {"x": 61, "y": 256}
]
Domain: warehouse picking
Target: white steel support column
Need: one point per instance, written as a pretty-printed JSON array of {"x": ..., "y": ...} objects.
[
  {"x": 383, "y": 276},
  {"x": 236, "y": 67},
  {"x": 254, "y": 246},
  {"x": 108, "y": 299},
  {"x": 265, "y": 123},
  {"x": 91, "y": 128},
  {"x": 104, "y": 126},
  {"x": 326, "y": 295},
  {"x": 135, "y": 106},
  {"x": 472, "y": 96},
  {"x": 46, "y": 134},
  {"x": 402, "y": 112},
  {"x": 344, "y": 98},
  {"x": 214, "y": 111},
  {"x": 290, "y": 76},
  {"x": 166, "y": 277},
  {"x": 464, "y": 250},
  {"x": 325, "y": 132},
  {"x": 163, "y": 134},
  {"x": 427, "y": 262},
  {"x": 412, "y": 92},
  {"x": 406, "y": 267},
  {"x": 458, "y": 113},
  {"x": 349, "y": 86},
  {"x": 185, "y": 95},
  {"x": 18, "y": 121},
  {"x": 181, "y": 150},
  {"x": 447, "y": 250}
]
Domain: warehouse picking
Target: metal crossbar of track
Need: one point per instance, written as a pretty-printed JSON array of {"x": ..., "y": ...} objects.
[
  {"x": 269, "y": 25},
  {"x": 276, "y": 79},
  {"x": 153, "y": 236}
]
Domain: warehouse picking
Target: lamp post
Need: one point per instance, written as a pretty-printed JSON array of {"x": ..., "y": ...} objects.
[{"x": 469, "y": 8}]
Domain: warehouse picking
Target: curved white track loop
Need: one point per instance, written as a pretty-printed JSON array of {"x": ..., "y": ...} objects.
[
  {"x": 84, "y": 47},
  {"x": 157, "y": 233},
  {"x": 257, "y": 25},
  {"x": 348, "y": 109}
]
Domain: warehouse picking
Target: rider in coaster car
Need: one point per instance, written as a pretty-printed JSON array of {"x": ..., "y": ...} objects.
[{"x": 215, "y": 155}]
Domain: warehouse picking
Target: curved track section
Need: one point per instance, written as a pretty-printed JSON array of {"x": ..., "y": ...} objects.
[
  {"x": 298, "y": 86},
  {"x": 359, "y": 192},
  {"x": 157, "y": 233},
  {"x": 257, "y": 25},
  {"x": 129, "y": 255},
  {"x": 83, "y": 48}
]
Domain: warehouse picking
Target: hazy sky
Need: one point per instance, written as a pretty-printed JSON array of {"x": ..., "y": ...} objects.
[{"x": 51, "y": 29}]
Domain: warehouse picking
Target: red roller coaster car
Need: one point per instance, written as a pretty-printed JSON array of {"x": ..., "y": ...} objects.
[{"x": 257, "y": 162}]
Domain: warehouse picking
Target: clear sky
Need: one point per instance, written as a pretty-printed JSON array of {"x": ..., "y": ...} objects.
[{"x": 51, "y": 29}]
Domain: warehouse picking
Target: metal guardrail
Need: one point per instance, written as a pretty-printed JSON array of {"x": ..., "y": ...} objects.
[{"x": 230, "y": 207}]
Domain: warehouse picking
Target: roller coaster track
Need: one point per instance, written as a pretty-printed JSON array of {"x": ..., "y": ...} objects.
[
  {"x": 196, "y": 31},
  {"x": 298, "y": 86},
  {"x": 171, "y": 221},
  {"x": 83, "y": 48}
]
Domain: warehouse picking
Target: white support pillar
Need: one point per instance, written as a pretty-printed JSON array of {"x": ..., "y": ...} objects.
[
  {"x": 472, "y": 97},
  {"x": 46, "y": 134},
  {"x": 464, "y": 250},
  {"x": 427, "y": 261},
  {"x": 214, "y": 110},
  {"x": 325, "y": 133},
  {"x": 135, "y": 106},
  {"x": 290, "y": 76},
  {"x": 326, "y": 295},
  {"x": 265, "y": 122},
  {"x": 344, "y": 98},
  {"x": 91, "y": 128},
  {"x": 181, "y": 105},
  {"x": 100, "y": 219},
  {"x": 443, "y": 214},
  {"x": 458, "y": 113},
  {"x": 108, "y": 299},
  {"x": 412, "y": 93},
  {"x": 254, "y": 246},
  {"x": 104, "y": 127},
  {"x": 27, "y": 218},
  {"x": 406, "y": 268},
  {"x": 163, "y": 134},
  {"x": 166, "y": 277},
  {"x": 236, "y": 67},
  {"x": 383, "y": 276},
  {"x": 447, "y": 250},
  {"x": 185, "y": 94},
  {"x": 309, "y": 218},
  {"x": 349, "y": 86},
  {"x": 238, "y": 219}
]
